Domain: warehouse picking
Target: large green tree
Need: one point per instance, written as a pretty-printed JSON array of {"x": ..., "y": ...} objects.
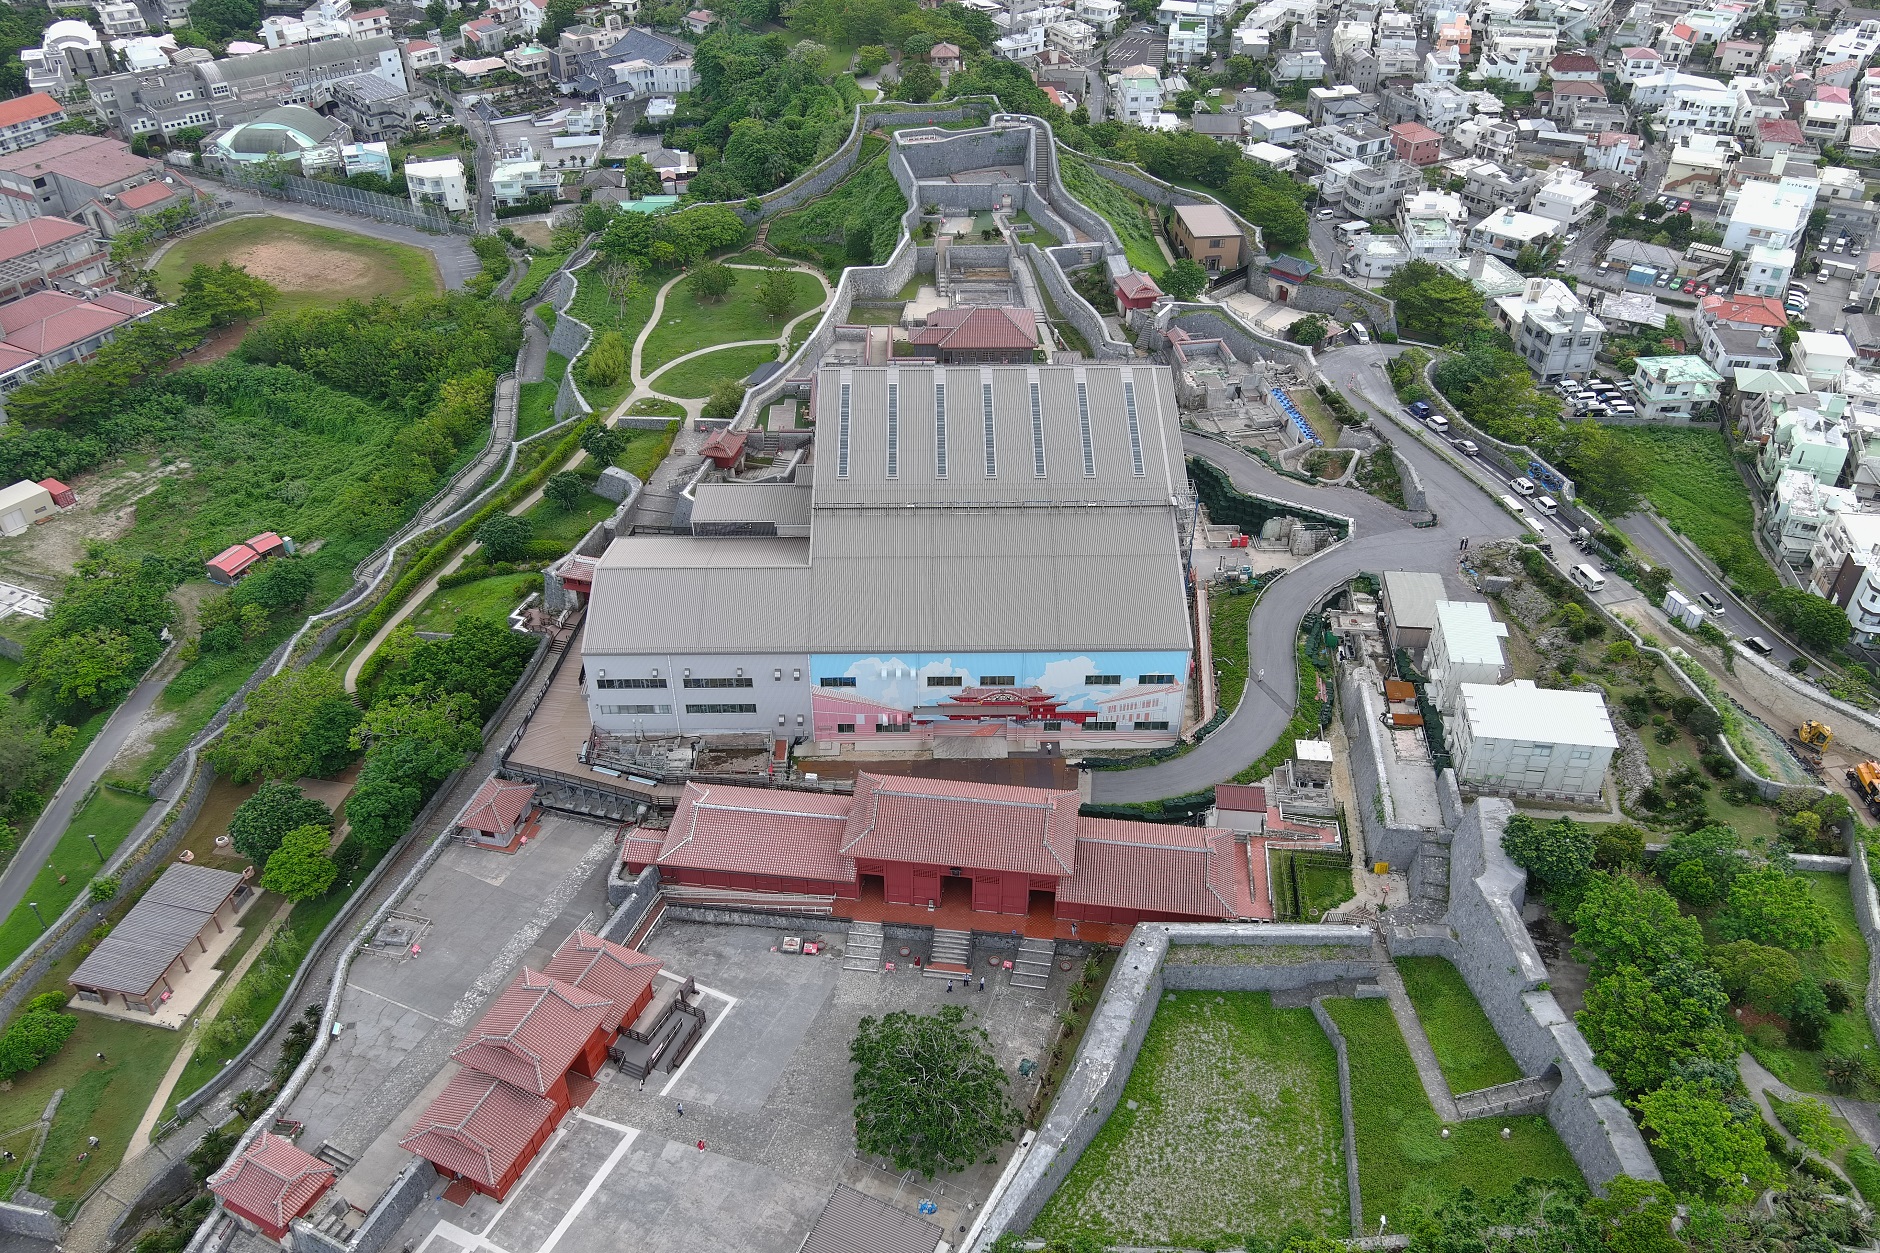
[
  {"x": 295, "y": 723},
  {"x": 300, "y": 868},
  {"x": 1622, "y": 921},
  {"x": 1704, "y": 1146},
  {"x": 1817, "y": 623},
  {"x": 1434, "y": 305},
  {"x": 1185, "y": 279},
  {"x": 1641, "y": 1025},
  {"x": 261, "y": 821},
  {"x": 1558, "y": 852},
  {"x": 929, "y": 1095},
  {"x": 89, "y": 668},
  {"x": 1771, "y": 906}
]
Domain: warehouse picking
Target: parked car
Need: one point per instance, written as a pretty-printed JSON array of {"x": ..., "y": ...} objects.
[
  {"x": 1468, "y": 446},
  {"x": 1572, "y": 236},
  {"x": 1821, "y": 276},
  {"x": 1421, "y": 410},
  {"x": 1710, "y": 602},
  {"x": 1664, "y": 280},
  {"x": 1326, "y": 215},
  {"x": 1854, "y": 308},
  {"x": 1703, "y": 289},
  {"x": 1690, "y": 285},
  {"x": 1684, "y": 206}
]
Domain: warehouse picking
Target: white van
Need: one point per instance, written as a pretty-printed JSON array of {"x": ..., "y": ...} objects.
[
  {"x": 1359, "y": 333},
  {"x": 1515, "y": 507},
  {"x": 1523, "y": 486},
  {"x": 1589, "y": 578},
  {"x": 1546, "y": 505}
]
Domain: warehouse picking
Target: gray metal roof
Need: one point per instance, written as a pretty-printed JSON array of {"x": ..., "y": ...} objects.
[
  {"x": 1109, "y": 475},
  {"x": 156, "y": 930},
  {"x": 784, "y": 504},
  {"x": 1012, "y": 561},
  {"x": 1412, "y": 596},
  {"x": 854, "y": 1222}
]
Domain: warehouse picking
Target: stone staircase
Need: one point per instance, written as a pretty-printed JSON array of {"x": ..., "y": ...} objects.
[
  {"x": 1032, "y": 967},
  {"x": 952, "y": 955},
  {"x": 863, "y": 951},
  {"x": 941, "y": 243},
  {"x": 1429, "y": 874},
  {"x": 1523, "y": 1096},
  {"x": 333, "y": 1155}
]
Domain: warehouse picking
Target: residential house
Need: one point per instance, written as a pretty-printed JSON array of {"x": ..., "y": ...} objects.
[
  {"x": 1573, "y": 67},
  {"x": 1296, "y": 65},
  {"x": 1187, "y": 41},
  {"x": 1826, "y": 121},
  {"x": 1272, "y": 155},
  {"x": 1571, "y": 97},
  {"x": 1805, "y": 439},
  {"x": 1867, "y": 97},
  {"x": 1440, "y": 106},
  {"x": 422, "y": 54},
  {"x": 1821, "y": 357},
  {"x": 1374, "y": 258},
  {"x": 1674, "y": 389},
  {"x": 1100, "y": 15},
  {"x": 1364, "y": 142},
  {"x": 1208, "y": 234},
  {"x": 92, "y": 179},
  {"x": 1844, "y": 567},
  {"x": 1739, "y": 56},
  {"x": 1741, "y": 332},
  {"x": 1675, "y": 42},
  {"x": 1616, "y": 152},
  {"x": 1136, "y": 96},
  {"x": 1756, "y": 104},
  {"x": 1565, "y": 196},
  {"x": 1638, "y": 64},
  {"x": 1489, "y": 188},
  {"x": 1416, "y": 143},
  {"x": 1778, "y": 137},
  {"x": 1376, "y": 191},
  {"x": 1519, "y": 68},
  {"x": 1282, "y": 126},
  {"x": 1342, "y": 103},
  {"x": 1442, "y": 66},
  {"x": 1770, "y": 214},
  {"x": 440, "y": 182},
  {"x": 1556, "y": 335}
]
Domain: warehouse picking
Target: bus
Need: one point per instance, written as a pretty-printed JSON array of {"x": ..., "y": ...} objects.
[{"x": 1589, "y": 578}]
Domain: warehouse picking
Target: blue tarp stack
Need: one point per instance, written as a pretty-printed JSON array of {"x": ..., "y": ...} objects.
[{"x": 1291, "y": 410}]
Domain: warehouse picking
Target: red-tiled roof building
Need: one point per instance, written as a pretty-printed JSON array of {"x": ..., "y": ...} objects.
[
  {"x": 1005, "y": 335},
  {"x": 233, "y": 562},
  {"x": 494, "y": 815},
  {"x": 483, "y": 1131},
  {"x": 622, "y": 975},
  {"x": 536, "y": 1031},
  {"x": 271, "y": 1183},
  {"x": 912, "y": 835},
  {"x": 1136, "y": 290},
  {"x": 48, "y": 329}
]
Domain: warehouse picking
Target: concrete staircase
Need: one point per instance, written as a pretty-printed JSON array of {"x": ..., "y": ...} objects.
[
  {"x": 1032, "y": 967},
  {"x": 1523, "y": 1096},
  {"x": 941, "y": 243},
  {"x": 333, "y": 1155},
  {"x": 863, "y": 951},
  {"x": 951, "y": 957},
  {"x": 1429, "y": 876}
]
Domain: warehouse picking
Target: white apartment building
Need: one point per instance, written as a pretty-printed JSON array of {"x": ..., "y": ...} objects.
[
  {"x": 1465, "y": 647},
  {"x": 1020, "y": 44},
  {"x": 1768, "y": 214},
  {"x": 1766, "y": 271},
  {"x": 1073, "y": 38},
  {"x": 1440, "y": 106},
  {"x": 1364, "y": 142},
  {"x": 1102, "y": 15},
  {"x": 1565, "y": 196},
  {"x": 1821, "y": 357},
  {"x": 1812, "y": 441},
  {"x": 1299, "y": 65},
  {"x": 1520, "y": 68},
  {"x": 1826, "y": 121},
  {"x": 1799, "y": 506},
  {"x": 438, "y": 182},
  {"x": 1280, "y": 126},
  {"x": 1136, "y": 96},
  {"x": 1555, "y": 334},
  {"x": 1844, "y": 567},
  {"x": 1521, "y": 739},
  {"x": 1674, "y": 389},
  {"x": 1705, "y": 110},
  {"x": 1444, "y": 65}
]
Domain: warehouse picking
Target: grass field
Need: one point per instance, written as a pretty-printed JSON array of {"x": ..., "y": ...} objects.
[
  {"x": 692, "y": 380},
  {"x": 109, "y": 816},
  {"x": 1228, "y": 611},
  {"x": 592, "y": 306},
  {"x": 565, "y": 526},
  {"x": 857, "y": 222},
  {"x": 686, "y": 325},
  {"x": 1845, "y": 958},
  {"x": 493, "y": 597},
  {"x": 1235, "y": 1129},
  {"x": 1693, "y": 485},
  {"x": 1471, "y": 1054},
  {"x": 654, "y": 407},
  {"x": 1321, "y": 887},
  {"x": 311, "y": 265},
  {"x": 541, "y": 265},
  {"x": 1403, "y": 1160},
  {"x": 535, "y": 406},
  {"x": 1117, "y": 207}
]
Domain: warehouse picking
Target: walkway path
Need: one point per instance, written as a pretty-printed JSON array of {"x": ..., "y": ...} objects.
[
  {"x": 18, "y": 877},
  {"x": 1762, "y": 1085},
  {"x": 1435, "y": 1085},
  {"x": 140, "y": 1138}
]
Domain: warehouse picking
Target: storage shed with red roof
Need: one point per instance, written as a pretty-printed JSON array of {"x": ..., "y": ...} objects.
[
  {"x": 495, "y": 815},
  {"x": 271, "y": 1183},
  {"x": 234, "y": 561}
]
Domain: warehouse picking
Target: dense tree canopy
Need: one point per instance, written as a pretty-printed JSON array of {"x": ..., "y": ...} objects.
[
  {"x": 300, "y": 868},
  {"x": 929, "y": 1095},
  {"x": 1711, "y": 1149},
  {"x": 295, "y": 723},
  {"x": 1640, "y": 1025},
  {"x": 1622, "y": 921},
  {"x": 277, "y": 807},
  {"x": 1558, "y": 852}
]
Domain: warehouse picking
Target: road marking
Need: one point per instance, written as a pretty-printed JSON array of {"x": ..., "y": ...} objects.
[
  {"x": 457, "y": 1235},
  {"x": 584, "y": 1116},
  {"x": 522, "y": 1184},
  {"x": 389, "y": 1001},
  {"x": 587, "y": 1193}
]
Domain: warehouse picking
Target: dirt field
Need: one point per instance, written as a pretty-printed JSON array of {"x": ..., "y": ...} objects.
[
  {"x": 42, "y": 556},
  {"x": 311, "y": 265}
]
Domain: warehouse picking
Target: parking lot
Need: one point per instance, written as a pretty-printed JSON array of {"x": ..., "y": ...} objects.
[
  {"x": 767, "y": 1128},
  {"x": 1139, "y": 45}
]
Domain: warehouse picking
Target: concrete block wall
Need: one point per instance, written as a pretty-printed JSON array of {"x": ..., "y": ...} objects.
[
  {"x": 570, "y": 338},
  {"x": 411, "y": 1187},
  {"x": 1076, "y": 310},
  {"x": 1239, "y": 977},
  {"x": 1414, "y": 498},
  {"x": 1215, "y": 322},
  {"x": 1337, "y": 1037},
  {"x": 933, "y": 159}
]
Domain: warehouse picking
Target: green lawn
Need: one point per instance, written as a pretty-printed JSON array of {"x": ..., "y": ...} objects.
[
  {"x": 1692, "y": 483},
  {"x": 535, "y": 407},
  {"x": 693, "y": 380},
  {"x": 686, "y": 325},
  {"x": 1228, "y": 611},
  {"x": 108, "y": 815},
  {"x": 1320, "y": 887},
  {"x": 1132, "y": 219},
  {"x": 592, "y": 306},
  {"x": 1845, "y": 958},
  {"x": 565, "y": 526},
  {"x": 1235, "y": 1129},
  {"x": 541, "y": 266},
  {"x": 493, "y": 597},
  {"x": 1403, "y": 1159},
  {"x": 1471, "y": 1054},
  {"x": 1321, "y": 419},
  {"x": 313, "y": 266},
  {"x": 655, "y": 407}
]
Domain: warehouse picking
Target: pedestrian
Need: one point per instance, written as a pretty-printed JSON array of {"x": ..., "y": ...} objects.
[
  {"x": 682, "y": 1109},
  {"x": 642, "y": 1083},
  {"x": 949, "y": 987},
  {"x": 1073, "y": 931},
  {"x": 101, "y": 1057}
]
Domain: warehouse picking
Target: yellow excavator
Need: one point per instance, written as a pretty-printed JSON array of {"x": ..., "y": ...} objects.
[{"x": 1808, "y": 741}]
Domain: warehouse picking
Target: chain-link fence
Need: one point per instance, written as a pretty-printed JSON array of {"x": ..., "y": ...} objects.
[{"x": 344, "y": 199}]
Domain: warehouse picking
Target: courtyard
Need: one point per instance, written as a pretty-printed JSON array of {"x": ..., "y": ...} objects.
[{"x": 767, "y": 1130}]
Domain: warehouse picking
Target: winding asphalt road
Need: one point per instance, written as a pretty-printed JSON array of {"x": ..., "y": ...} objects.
[{"x": 1381, "y": 539}]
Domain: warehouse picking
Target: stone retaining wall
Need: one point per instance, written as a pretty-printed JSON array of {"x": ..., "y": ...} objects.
[
  {"x": 1414, "y": 498},
  {"x": 1214, "y": 322},
  {"x": 406, "y": 1193},
  {"x": 1337, "y": 1038},
  {"x": 1860, "y": 886},
  {"x": 36, "y": 1224},
  {"x": 1336, "y": 300},
  {"x": 1099, "y": 1071}
]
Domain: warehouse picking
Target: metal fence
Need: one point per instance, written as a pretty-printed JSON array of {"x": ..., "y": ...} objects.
[{"x": 343, "y": 199}]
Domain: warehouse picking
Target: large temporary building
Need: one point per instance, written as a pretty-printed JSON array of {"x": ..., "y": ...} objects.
[{"x": 989, "y": 550}]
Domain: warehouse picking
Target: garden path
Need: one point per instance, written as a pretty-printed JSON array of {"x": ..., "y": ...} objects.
[{"x": 1762, "y": 1085}]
